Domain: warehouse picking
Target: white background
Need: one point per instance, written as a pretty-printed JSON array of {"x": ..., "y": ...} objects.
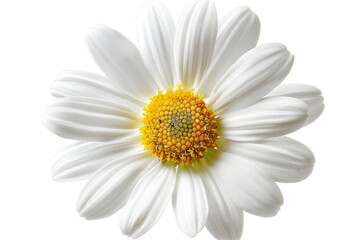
[{"x": 38, "y": 39}]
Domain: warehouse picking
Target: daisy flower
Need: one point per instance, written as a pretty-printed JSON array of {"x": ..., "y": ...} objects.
[{"x": 195, "y": 114}]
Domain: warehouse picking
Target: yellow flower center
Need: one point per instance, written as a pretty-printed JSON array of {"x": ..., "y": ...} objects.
[{"x": 178, "y": 126}]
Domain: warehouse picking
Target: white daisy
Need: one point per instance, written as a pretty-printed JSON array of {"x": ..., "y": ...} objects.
[{"x": 211, "y": 140}]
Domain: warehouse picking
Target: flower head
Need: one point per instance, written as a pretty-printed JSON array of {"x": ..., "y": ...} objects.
[{"x": 196, "y": 115}]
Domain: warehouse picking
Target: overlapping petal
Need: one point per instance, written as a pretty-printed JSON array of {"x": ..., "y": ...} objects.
[
  {"x": 80, "y": 160},
  {"x": 121, "y": 61},
  {"x": 148, "y": 200},
  {"x": 246, "y": 185},
  {"x": 87, "y": 84},
  {"x": 90, "y": 119},
  {"x": 156, "y": 32},
  {"x": 225, "y": 220},
  {"x": 194, "y": 42},
  {"x": 250, "y": 78},
  {"x": 189, "y": 201},
  {"x": 283, "y": 158},
  {"x": 110, "y": 187},
  {"x": 269, "y": 117},
  {"x": 309, "y": 94},
  {"x": 238, "y": 32}
]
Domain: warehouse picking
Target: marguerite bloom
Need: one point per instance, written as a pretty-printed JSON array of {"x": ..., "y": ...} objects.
[{"x": 194, "y": 115}]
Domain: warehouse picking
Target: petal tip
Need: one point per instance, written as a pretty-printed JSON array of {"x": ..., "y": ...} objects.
[{"x": 55, "y": 175}]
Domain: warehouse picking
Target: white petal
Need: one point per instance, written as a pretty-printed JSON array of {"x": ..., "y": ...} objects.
[
  {"x": 110, "y": 187},
  {"x": 148, "y": 200},
  {"x": 121, "y": 61},
  {"x": 283, "y": 158},
  {"x": 189, "y": 201},
  {"x": 156, "y": 31},
  {"x": 86, "y": 84},
  {"x": 194, "y": 42},
  {"x": 309, "y": 94},
  {"x": 246, "y": 185},
  {"x": 80, "y": 160},
  {"x": 269, "y": 117},
  {"x": 250, "y": 78},
  {"x": 225, "y": 220},
  {"x": 90, "y": 119},
  {"x": 238, "y": 32}
]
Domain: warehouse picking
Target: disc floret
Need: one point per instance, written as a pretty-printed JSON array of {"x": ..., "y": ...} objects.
[{"x": 178, "y": 126}]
